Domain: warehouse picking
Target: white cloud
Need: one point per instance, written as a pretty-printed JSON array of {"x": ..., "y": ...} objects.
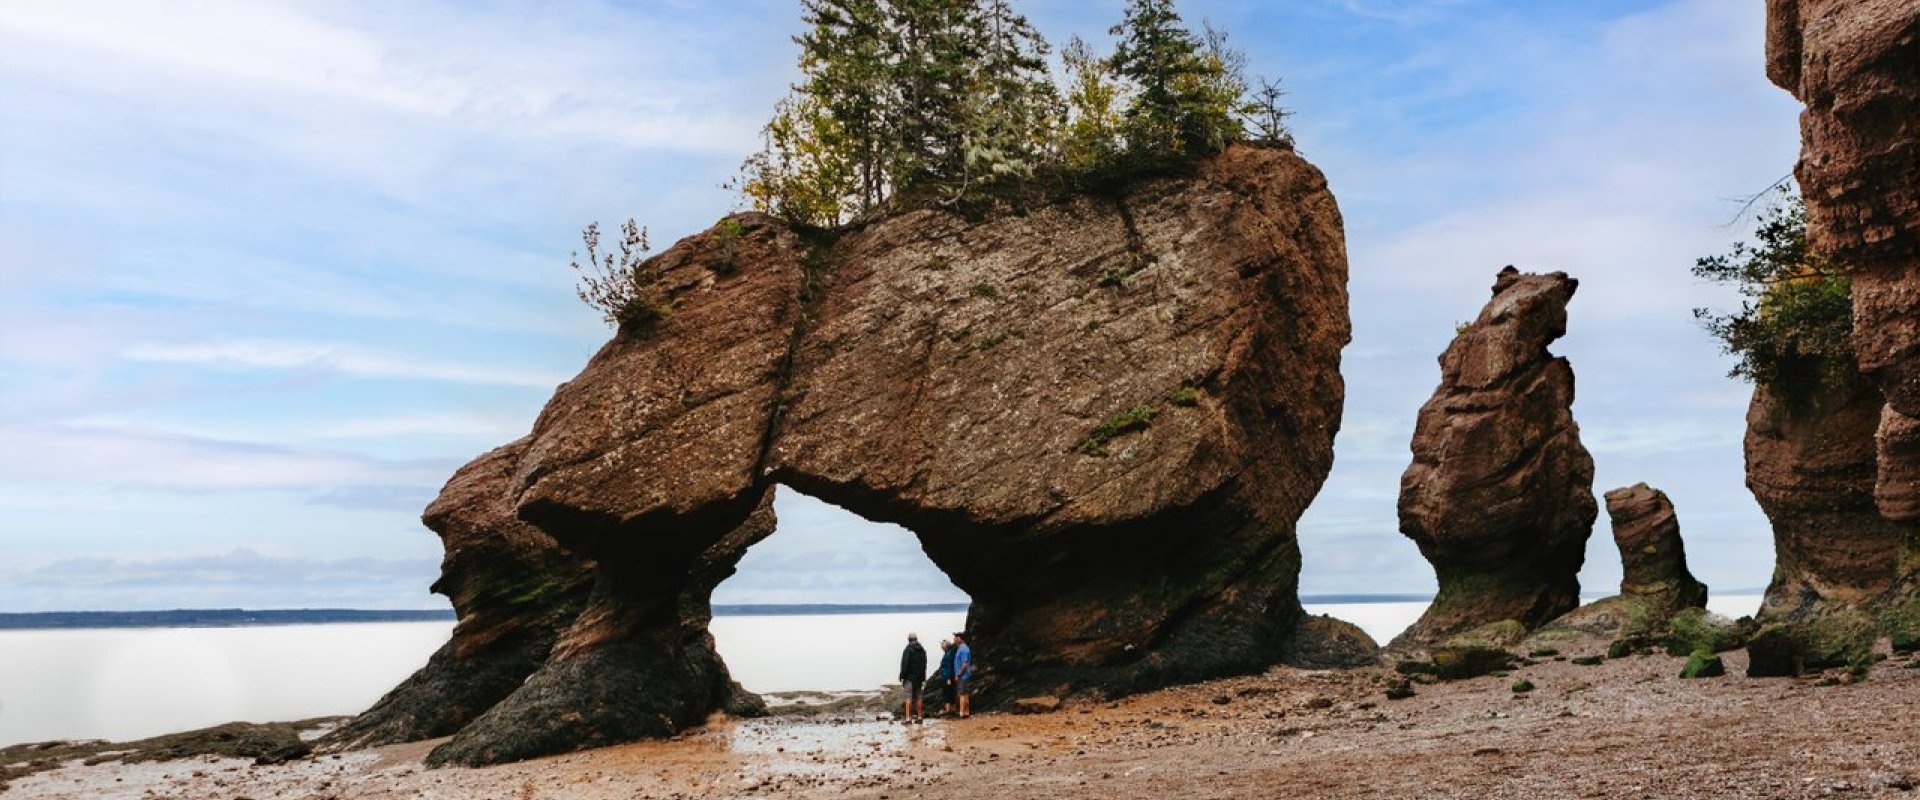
[
  {"x": 337, "y": 359},
  {"x": 516, "y": 76},
  {"x": 101, "y": 456}
]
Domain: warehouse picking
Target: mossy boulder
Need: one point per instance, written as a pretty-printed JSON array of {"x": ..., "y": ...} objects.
[
  {"x": 1703, "y": 663},
  {"x": 1459, "y": 660},
  {"x": 1694, "y": 629},
  {"x": 1785, "y": 649}
]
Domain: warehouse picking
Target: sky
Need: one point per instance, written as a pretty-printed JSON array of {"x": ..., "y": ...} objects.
[{"x": 271, "y": 270}]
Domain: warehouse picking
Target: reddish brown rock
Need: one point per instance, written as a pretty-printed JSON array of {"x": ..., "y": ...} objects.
[
  {"x": 1653, "y": 559},
  {"x": 1856, "y": 66},
  {"x": 1811, "y": 465},
  {"x": 514, "y": 590},
  {"x": 1102, "y": 417},
  {"x": 1655, "y": 585},
  {"x": 1897, "y": 488},
  {"x": 1500, "y": 493}
]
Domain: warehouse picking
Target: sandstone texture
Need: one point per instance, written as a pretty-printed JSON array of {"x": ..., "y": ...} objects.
[
  {"x": 1897, "y": 489},
  {"x": 514, "y": 590},
  {"x": 1500, "y": 493},
  {"x": 1102, "y": 417},
  {"x": 1652, "y": 557},
  {"x": 1655, "y": 584},
  {"x": 1856, "y": 66},
  {"x": 1811, "y": 464}
]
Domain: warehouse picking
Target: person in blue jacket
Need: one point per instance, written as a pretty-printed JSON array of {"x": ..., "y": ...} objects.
[
  {"x": 945, "y": 676},
  {"x": 962, "y": 673}
]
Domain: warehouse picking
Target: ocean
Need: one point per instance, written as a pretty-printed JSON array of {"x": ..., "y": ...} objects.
[{"x": 128, "y": 683}]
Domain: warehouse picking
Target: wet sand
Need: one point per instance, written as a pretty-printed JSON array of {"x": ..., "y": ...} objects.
[{"x": 1623, "y": 729}]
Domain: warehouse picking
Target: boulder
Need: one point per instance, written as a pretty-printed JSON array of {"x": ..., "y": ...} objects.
[
  {"x": 1044, "y": 704},
  {"x": 1499, "y": 497},
  {"x": 1703, "y": 664},
  {"x": 1102, "y": 417}
]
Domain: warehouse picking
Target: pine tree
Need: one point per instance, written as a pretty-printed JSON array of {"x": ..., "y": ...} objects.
[
  {"x": 1184, "y": 96},
  {"x": 1090, "y": 135},
  {"x": 849, "y": 81},
  {"x": 1011, "y": 99},
  {"x": 931, "y": 51}
]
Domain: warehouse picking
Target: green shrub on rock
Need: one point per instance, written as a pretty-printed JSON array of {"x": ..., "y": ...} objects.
[{"x": 1522, "y": 686}]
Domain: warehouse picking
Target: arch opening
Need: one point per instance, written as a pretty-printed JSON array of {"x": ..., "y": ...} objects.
[{"x": 824, "y": 603}]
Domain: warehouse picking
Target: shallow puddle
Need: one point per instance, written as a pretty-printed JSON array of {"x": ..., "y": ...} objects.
[{"x": 831, "y": 747}]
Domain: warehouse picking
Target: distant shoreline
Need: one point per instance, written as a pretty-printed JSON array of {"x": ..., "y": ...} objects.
[{"x": 238, "y": 617}]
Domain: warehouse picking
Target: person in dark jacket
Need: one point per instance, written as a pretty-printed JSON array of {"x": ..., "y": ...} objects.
[
  {"x": 913, "y": 673},
  {"x": 947, "y": 697}
]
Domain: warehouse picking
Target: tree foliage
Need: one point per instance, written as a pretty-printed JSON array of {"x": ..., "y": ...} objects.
[
  {"x": 904, "y": 102},
  {"x": 1795, "y": 321}
]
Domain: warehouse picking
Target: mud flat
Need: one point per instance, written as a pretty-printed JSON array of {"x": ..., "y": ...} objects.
[{"x": 1620, "y": 729}]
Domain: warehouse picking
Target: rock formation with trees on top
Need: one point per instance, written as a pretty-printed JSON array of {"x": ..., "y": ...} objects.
[{"x": 1102, "y": 418}]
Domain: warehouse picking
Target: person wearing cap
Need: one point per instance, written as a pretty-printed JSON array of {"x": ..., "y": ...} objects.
[
  {"x": 962, "y": 672},
  {"x": 913, "y": 673}
]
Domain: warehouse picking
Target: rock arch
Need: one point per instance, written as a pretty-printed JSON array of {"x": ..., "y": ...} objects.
[{"x": 1102, "y": 418}]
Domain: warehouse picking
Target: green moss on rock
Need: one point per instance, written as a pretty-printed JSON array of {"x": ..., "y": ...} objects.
[
  {"x": 1703, "y": 663},
  {"x": 1695, "y": 629}
]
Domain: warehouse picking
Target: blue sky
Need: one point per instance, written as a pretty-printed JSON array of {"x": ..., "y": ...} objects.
[{"x": 270, "y": 270}]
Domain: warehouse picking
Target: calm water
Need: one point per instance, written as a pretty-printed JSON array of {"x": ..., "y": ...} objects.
[{"x": 130, "y": 683}]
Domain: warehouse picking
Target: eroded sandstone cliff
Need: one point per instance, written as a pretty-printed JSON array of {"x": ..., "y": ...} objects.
[
  {"x": 1856, "y": 66},
  {"x": 1102, "y": 417},
  {"x": 514, "y": 590},
  {"x": 1500, "y": 493}
]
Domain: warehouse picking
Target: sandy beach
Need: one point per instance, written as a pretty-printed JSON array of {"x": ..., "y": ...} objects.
[{"x": 1626, "y": 728}]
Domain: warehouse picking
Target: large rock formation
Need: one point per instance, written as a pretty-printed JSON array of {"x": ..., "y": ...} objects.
[
  {"x": 1102, "y": 417},
  {"x": 1652, "y": 557},
  {"x": 1856, "y": 66},
  {"x": 514, "y": 590},
  {"x": 1811, "y": 463},
  {"x": 1655, "y": 584},
  {"x": 1500, "y": 493}
]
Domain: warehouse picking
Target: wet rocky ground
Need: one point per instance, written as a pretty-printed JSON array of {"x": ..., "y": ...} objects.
[{"x": 1626, "y": 728}]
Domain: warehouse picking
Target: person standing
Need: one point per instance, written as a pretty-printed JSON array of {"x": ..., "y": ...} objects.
[
  {"x": 947, "y": 697},
  {"x": 962, "y": 673},
  {"x": 913, "y": 673}
]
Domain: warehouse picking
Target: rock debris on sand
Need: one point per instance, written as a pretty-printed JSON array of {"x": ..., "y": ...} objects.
[{"x": 1625, "y": 728}]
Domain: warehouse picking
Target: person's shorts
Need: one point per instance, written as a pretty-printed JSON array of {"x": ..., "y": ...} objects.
[
  {"x": 913, "y": 689},
  {"x": 960, "y": 685}
]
